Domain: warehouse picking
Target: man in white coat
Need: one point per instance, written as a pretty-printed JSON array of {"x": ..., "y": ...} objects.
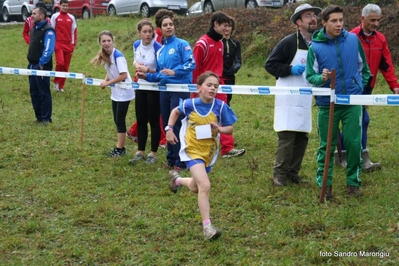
[{"x": 292, "y": 113}]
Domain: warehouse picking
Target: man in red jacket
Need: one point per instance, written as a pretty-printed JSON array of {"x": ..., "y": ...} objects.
[
  {"x": 378, "y": 58},
  {"x": 208, "y": 55},
  {"x": 66, "y": 31}
]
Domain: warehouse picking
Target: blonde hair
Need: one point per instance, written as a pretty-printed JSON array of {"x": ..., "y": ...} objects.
[{"x": 102, "y": 57}]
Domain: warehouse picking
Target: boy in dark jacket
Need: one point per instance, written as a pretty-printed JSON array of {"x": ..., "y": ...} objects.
[{"x": 231, "y": 57}]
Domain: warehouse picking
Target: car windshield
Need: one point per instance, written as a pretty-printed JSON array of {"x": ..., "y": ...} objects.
[{"x": 196, "y": 6}]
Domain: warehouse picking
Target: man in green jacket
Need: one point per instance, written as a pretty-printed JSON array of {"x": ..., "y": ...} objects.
[{"x": 335, "y": 48}]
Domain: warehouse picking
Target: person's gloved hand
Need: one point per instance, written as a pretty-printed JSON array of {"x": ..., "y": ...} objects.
[
  {"x": 297, "y": 69},
  {"x": 367, "y": 90}
]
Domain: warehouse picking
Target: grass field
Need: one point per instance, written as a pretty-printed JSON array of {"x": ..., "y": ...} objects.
[{"x": 66, "y": 204}]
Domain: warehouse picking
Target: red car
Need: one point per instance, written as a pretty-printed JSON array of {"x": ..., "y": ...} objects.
[{"x": 81, "y": 8}]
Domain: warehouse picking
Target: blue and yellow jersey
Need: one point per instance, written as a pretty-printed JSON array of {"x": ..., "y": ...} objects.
[{"x": 196, "y": 114}]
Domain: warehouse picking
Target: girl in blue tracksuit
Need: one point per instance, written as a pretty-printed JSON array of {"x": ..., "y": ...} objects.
[{"x": 175, "y": 63}]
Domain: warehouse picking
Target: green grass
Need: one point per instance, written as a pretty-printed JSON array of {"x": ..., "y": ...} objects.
[{"x": 66, "y": 204}]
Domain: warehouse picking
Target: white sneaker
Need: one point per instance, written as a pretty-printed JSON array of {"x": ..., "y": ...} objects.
[
  {"x": 211, "y": 233},
  {"x": 56, "y": 87},
  {"x": 62, "y": 90},
  {"x": 234, "y": 153}
]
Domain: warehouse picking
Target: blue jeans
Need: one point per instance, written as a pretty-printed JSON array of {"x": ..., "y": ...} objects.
[
  {"x": 40, "y": 95},
  {"x": 170, "y": 100},
  {"x": 365, "y": 126}
]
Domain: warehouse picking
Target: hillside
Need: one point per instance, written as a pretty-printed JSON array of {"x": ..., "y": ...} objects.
[{"x": 260, "y": 29}]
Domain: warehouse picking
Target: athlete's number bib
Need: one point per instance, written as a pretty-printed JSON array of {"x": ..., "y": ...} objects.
[{"x": 203, "y": 131}]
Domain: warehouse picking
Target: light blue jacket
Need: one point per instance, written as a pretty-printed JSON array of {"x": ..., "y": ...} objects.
[{"x": 175, "y": 54}]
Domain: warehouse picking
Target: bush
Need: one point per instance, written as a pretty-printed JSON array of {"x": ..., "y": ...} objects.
[{"x": 260, "y": 29}]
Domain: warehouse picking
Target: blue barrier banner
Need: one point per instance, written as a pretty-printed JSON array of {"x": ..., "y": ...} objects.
[{"x": 342, "y": 99}]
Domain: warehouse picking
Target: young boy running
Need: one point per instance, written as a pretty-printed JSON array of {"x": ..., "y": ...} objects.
[{"x": 205, "y": 118}]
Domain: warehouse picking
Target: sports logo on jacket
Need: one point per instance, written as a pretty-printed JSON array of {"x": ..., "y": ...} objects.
[{"x": 172, "y": 51}]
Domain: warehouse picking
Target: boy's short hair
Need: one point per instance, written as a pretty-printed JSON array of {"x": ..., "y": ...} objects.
[
  {"x": 40, "y": 4},
  {"x": 326, "y": 12},
  {"x": 63, "y": 2},
  {"x": 220, "y": 18},
  {"x": 42, "y": 11}
]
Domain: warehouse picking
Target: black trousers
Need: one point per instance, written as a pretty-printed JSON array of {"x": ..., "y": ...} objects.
[
  {"x": 291, "y": 147},
  {"x": 148, "y": 109},
  {"x": 229, "y": 81},
  {"x": 119, "y": 110}
]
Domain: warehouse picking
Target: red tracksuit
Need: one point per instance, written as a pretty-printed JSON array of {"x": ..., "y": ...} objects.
[
  {"x": 378, "y": 56},
  {"x": 65, "y": 28},
  {"x": 208, "y": 55}
]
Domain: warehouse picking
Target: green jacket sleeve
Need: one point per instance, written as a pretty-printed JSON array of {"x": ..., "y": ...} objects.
[{"x": 312, "y": 76}]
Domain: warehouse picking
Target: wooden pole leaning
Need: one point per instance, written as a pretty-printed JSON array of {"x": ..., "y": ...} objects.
[
  {"x": 329, "y": 137},
  {"x": 82, "y": 117}
]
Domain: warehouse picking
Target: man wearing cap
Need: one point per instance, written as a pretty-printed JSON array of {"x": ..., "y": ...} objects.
[
  {"x": 335, "y": 48},
  {"x": 292, "y": 113}
]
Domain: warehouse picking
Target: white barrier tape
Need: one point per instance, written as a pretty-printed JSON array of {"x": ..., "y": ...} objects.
[
  {"x": 273, "y": 90},
  {"x": 228, "y": 89},
  {"x": 44, "y": 73},
  {"x": 235, "y": 89},
  {"x": 332, "y": 96},
  {"x": 376, "y": 99}
]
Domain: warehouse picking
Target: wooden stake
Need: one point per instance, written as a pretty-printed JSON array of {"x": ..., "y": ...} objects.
[
  {"x": 82, "y": 119},
  {"x": 329, "y": 137}
]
